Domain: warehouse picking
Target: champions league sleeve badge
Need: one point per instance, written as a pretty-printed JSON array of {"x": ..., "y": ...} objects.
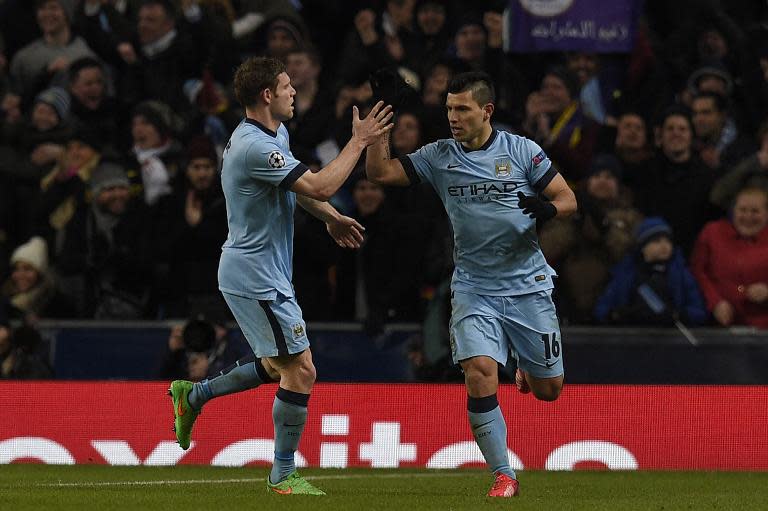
[{"x": 276, "y": 160}]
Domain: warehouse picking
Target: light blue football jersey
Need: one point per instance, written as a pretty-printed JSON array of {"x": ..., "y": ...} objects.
[
  {"x": 257, "y": 172},
  {"x": 496, "y": 249}
]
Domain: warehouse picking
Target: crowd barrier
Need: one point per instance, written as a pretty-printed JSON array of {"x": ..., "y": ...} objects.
[{"x": 615, "y": 427}]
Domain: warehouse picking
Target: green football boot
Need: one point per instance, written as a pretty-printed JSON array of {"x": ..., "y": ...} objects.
[
  {"x": 294, "y": 485},
  {"x": 184, "y": 415}
]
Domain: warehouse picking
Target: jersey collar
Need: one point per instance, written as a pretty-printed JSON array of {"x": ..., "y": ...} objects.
[
  {"x": 263, "y": 128},
  {"x": 483, "y": 147}
]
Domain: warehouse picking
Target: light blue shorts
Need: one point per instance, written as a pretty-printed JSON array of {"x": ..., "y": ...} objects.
[
  {"x": 524, "y": 326},
  {"x": 272, "y": 327}
]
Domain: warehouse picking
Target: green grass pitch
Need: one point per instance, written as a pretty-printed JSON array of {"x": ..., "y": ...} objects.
[{"x": 186, "y": 488}]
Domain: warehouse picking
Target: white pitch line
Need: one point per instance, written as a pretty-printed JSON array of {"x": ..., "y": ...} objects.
[{"x": 231, "y": 481}]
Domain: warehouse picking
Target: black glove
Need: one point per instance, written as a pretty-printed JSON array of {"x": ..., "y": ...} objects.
[
  {"x": 535, "y": 207},
  {"x": 389, "y": 86}
]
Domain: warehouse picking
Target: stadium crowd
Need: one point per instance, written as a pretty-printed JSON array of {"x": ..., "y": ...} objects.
[{"x": 115, "y": 113}]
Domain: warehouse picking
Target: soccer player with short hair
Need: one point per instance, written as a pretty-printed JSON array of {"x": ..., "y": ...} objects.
[
  {"x": 489, "y": 182},
  {"x": 262, "y": 184}
]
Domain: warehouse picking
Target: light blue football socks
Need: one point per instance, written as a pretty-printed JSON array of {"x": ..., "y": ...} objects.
[
  {"x": 289, "y": 414},
  {"x": 246, "y": 373},
  {"x": 490, "y": 432}
]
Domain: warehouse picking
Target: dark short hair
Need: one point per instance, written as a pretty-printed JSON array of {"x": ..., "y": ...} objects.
[
  {"x": 253, "y": 76},
  {"x": 199, "y": 335},
  {"x": 720, "y": 101},
  {"x": 310, "y": 52},
  {"x": 80, "y": 64},
  {"x": 477, "y": 82},
  {"x": 167, "y": 5},
  {"x": 675, "y": 110}
]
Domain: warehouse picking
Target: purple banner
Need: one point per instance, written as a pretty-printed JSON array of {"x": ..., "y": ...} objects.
[{"x": 599, "y": 26}]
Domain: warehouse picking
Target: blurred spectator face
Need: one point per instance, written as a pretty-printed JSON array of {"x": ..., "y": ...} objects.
[
  {"x": 113, "y": 199},
  {"x": 144, "y": 133},
  {"x": 603, "y": 185},
  {"x": 88, "y": 87},
  {"x": 630, "y": 132},
  {"x": 200, "y": 173},
  {"x": 712, "y": 45},
  {"x": 708, "y": 121},
  {"x": 470, "y": 42},
  {"x": 153, "y": 23},
  {"x": 750, "y": 212},
  {"x": 197, "y": 366},
  {"x": 24, "y": 276},
  {"x": 78, "y": 154},
  {"x": 51, "y": 17},
  {"x": 676, "y": 138},
  {"x": 301, "y": 69},
  {"x": 280, "y": 42},
  {"x": 436, "y": 85},
  {"x": 657, "y": 250},
  {"x": 583, "y": 65},
  {"x": 406, "y": 133},
  {"x": 367, "y": 196},
  {"x": 281, "y": 105},
  {"x": 401, "y": 11},
  {"x": 44, "y": 117},
  {"x": 431, "y": 18},
  {"x": 712, "y": 83},
  {"x": 555, "y": 93},
  {"x": 5, "y": 339}
]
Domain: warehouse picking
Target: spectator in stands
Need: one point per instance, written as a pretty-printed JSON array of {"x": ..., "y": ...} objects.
[
  {"x": 105, "y": 256},
  {"x": 556, "y": 121},
  {"x": 191, "y": 226},
  {"x": 45, "y": 60},
  {"x": 432, "y": 34},
  {"x": 751, "y": 171},
  {"x": 718, "y": 140},
  {"x": 157, "y": 151},
  {"x": 730, "y": 262},
  {"x": 583, "y": 248},
  {"x": 596, "y": 92},
  {"x": 22, "y": 354},
  {"x": 283, "y": 36},
  {"x": 63, "y": 189},
  {"x": 676, "y": 185},
  {"x": 106, "y": 30},
  {"x": 91, "y": 106},
  {"x": 30, "y": 291},
  {"x": 313, "y": 104},
  {"x": 631, "y": 146},
  {"x": 166, "y": 58},
  {"x": 202, "y": 347},
  {"x": 406, "y": 135},
  {"x": 652, "y": 286}
]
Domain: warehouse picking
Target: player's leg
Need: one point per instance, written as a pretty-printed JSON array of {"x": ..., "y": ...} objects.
[
  {"x": 478, "y": 344},
  {"x": 531, "y": 324}
]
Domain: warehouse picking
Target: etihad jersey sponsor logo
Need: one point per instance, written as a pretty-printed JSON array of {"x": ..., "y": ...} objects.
[{"x": 482, "y": 191}]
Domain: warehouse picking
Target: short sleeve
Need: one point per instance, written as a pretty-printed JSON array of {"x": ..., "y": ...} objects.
[
  {"x": 269, "y": 163},
  {"x": 419, "y": 164},
  {"x": 538, "y": 165}
]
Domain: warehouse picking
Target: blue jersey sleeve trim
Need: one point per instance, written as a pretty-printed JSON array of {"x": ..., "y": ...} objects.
[
  {"x": 545, "y": 179},
  {"x": 293, "y": 175},
  {"x": 410, "y": 170}
]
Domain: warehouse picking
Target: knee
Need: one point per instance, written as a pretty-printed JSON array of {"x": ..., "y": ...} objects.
[{"x": 547, "y": 391}]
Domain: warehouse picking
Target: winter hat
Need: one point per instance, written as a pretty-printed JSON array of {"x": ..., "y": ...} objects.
[
  {"x": 57, "y": 98},
  {"x": 287, "y": 25},
  {"x": 568, "y": 78},
  {"x": 607, "y": 162},
  {"x": 157, "y": 114},
  {"x": 107, "y": 175},
  {"x": 33, "y": 252},
  {"x": 713, "y": 68},
  {"x": 201, "y": 147},
  {"x": 650, "y": 228}
]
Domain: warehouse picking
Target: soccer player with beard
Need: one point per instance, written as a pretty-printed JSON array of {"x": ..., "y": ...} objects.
[
  {"x": 262, "y": 183},
  {"x": 489, "y": 182}
]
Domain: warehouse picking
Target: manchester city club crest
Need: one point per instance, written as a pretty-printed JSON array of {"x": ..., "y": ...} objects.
[
  {"x": 503, "y": 167},
  {"x": 298, "y": 330}
]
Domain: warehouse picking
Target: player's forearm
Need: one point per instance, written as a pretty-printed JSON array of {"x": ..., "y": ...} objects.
[
  {"x": 565, "y": 203},
  {"x": 320, "y": 210},
  {"x": 332, "y": 176},
  {"x": 377, "y": 158}
]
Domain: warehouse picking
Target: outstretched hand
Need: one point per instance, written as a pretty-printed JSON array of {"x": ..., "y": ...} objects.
[
  {"x": 374, "y": 125},
  {"x": 535, "y": 207},
  {"x": 346, "y": 232}
]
